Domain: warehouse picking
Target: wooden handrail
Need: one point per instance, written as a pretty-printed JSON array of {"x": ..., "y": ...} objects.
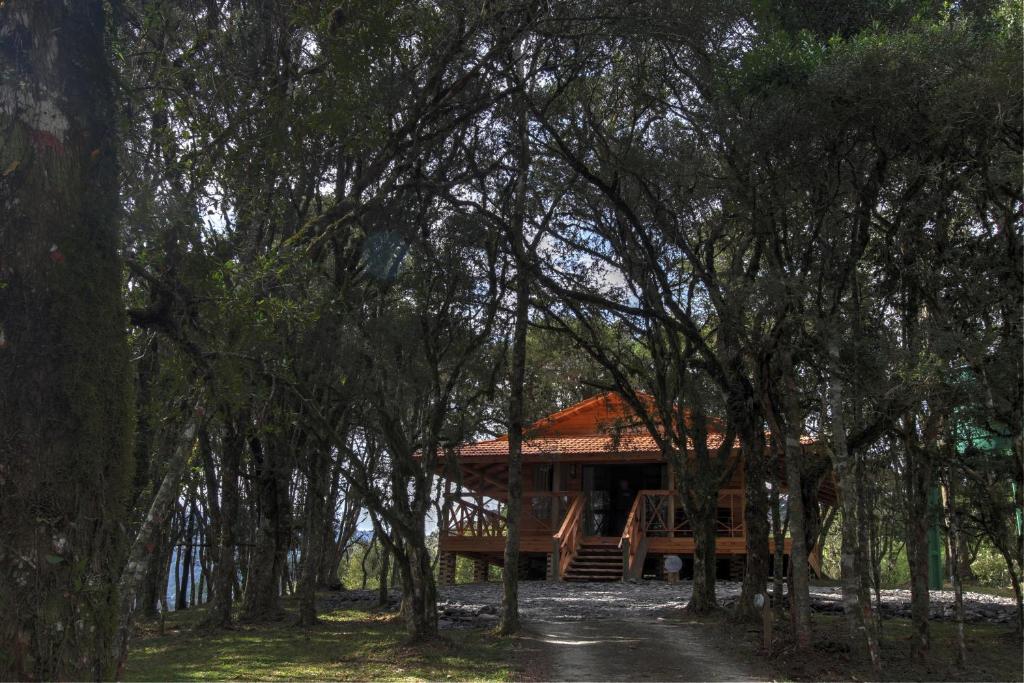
[
  {"x": 572, "y": 516},
  {"x": 570, "y": 534},
  {"x": 632, "y": 543}
]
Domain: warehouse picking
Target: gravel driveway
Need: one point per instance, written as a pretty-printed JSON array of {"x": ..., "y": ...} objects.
[{"x": 477, "y": 604}]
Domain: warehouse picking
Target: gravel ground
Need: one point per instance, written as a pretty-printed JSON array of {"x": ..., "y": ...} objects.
[{"x": 477, "y": 604}]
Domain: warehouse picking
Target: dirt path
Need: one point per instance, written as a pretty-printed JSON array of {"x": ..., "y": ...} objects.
[{"x": 628, "y": 650}]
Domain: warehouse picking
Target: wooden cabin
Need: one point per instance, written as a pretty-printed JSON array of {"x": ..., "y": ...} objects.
[{"x": 599, "y": 501}]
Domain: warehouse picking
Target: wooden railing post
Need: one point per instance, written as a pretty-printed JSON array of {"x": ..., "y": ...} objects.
[
  {"x": 672, "y": 513},
  {"x": 625, "y": 558}
]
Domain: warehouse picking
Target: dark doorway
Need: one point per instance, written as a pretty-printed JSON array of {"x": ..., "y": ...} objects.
[{"x": 611, "y": 490}]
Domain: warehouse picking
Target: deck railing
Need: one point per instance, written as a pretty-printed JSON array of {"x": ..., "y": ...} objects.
[
  {"x": 542, "y": 514},
  {"x": 468, "y": 518},
  {"x": 653, "y": 516}
]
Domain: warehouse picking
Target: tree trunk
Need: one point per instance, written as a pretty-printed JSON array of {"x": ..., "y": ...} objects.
[
  {"x": 917, "y": 481},
  {"x": 856, "y": 599},
  {"x": 509, "y": 623},
  {"x": 799, "y": 598},
  {"x": 224, "y": 569},
  {"x": 703, "y": 517},
  {"x": 333, "y": 541},
  {"x": 143, "y": 556},
  {"x": 65, "y": 381},
  {"x": 155, "y": 580},
  {"x": 316, "y": 520},
  {"x": 419, "y": 591},
  {"x": 755, "y": 511},
  {"x": 779, "y": 536},
  {"x": 791, "y": 426},
  {"x": 263, "y": 587},
  {"x": 382, "y": 575},
  {"x": 955, "y": 546},
  {"x": 181, "y": 597}
]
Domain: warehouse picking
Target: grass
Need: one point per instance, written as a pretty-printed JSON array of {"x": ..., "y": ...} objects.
[
  {"x": 349, "y": 645},
  {"x": 993, "y": 653},
  {"x": 367, "y": 645}
]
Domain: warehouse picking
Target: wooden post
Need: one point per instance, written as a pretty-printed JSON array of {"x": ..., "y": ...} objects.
[
  {"x": 442, "y": 529},
  {"x": 671, "y": 503},
  {"x": 448, "y": 561},
  {"x": 480, "y": 566},
  {"x": 556, "y": 502},
  {"x": 554, "y": 561}
]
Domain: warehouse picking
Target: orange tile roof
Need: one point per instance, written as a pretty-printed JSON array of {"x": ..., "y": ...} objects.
[
  {"x": 601, "y": 425},
  {"x": 625, "y": 444}
]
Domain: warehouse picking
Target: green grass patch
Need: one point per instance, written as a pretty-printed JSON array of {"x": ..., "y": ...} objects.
[{"x": 349, "y": 645}]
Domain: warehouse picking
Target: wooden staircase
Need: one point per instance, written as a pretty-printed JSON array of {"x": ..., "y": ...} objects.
[{"x": 595, "y": 561}]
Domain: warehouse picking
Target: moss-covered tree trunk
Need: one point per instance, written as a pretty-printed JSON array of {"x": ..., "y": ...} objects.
[{"x": 65, "y": 387}]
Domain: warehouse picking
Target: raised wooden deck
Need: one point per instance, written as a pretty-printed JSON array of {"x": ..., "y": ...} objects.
[{"x": 495, "y": 545}]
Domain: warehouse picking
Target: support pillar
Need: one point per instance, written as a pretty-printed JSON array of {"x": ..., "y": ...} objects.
[
  {"x": 448, "y": 569},
  {"x": 524, "y": 566},
  {"x": 480, "y": 566}
]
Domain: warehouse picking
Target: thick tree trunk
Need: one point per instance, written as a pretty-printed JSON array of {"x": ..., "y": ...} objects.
[
  {"x": 262, "y": 599},
  {"x": 703, "y": 520},
  {"x": 143, "y": 556},
  {"x": 755, "y": 511},
  {"x": 65, "y": 381},
  {"x": 419, "y": 591}
]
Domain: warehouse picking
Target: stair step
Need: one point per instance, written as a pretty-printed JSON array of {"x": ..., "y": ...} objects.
[
  {"x": 602, "y": 553},
  {"x": 592, "y": 577}
]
